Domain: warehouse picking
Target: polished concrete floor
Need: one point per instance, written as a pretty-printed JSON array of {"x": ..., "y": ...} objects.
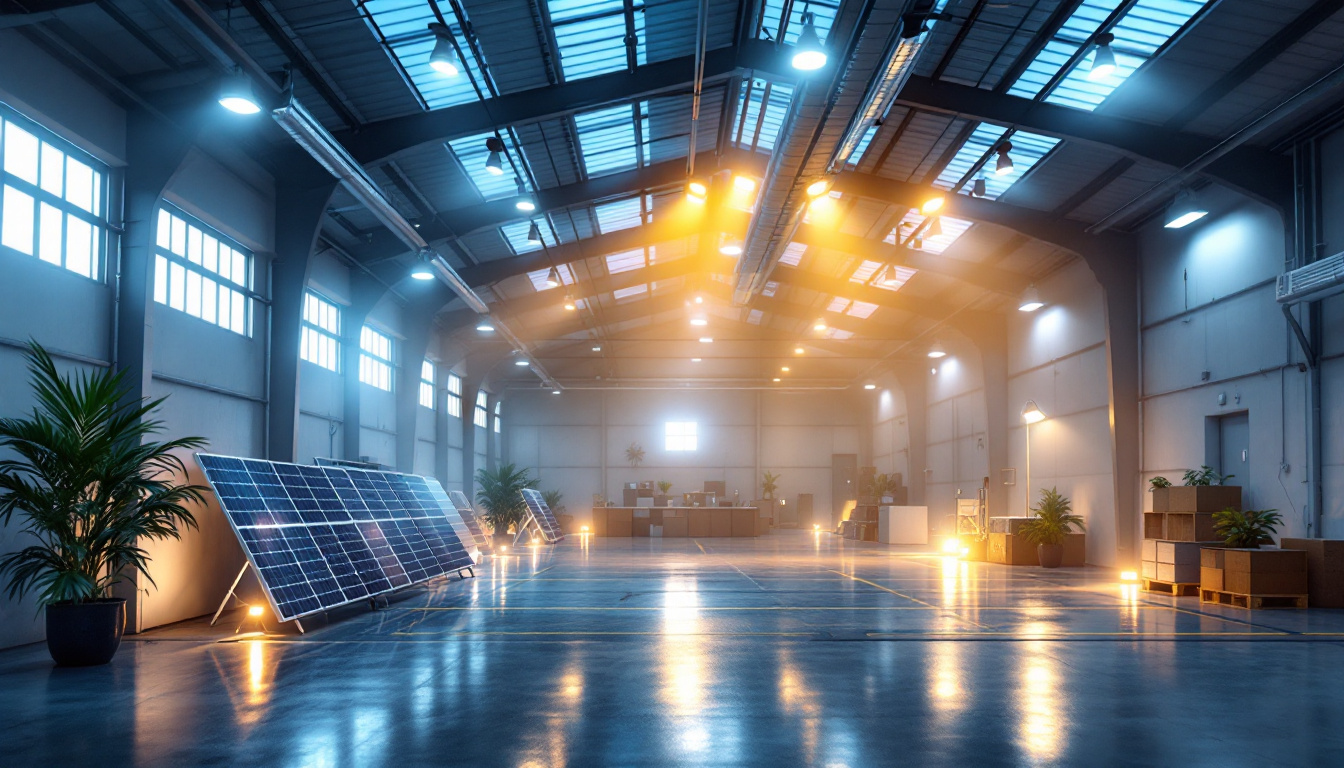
[{"x": 795, "y": 649}]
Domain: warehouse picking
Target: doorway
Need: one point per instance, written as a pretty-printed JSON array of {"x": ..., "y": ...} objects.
[{"x": 1234, "y": 447}]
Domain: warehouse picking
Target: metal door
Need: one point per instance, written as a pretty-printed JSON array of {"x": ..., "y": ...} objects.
[{"x": 1234, "y": 447}]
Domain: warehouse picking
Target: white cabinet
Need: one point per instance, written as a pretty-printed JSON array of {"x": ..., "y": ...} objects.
[{"x": 903, "y": 525}]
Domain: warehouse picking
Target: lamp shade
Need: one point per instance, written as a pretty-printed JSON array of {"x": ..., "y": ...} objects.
[{"x": 1031, "y": 413}]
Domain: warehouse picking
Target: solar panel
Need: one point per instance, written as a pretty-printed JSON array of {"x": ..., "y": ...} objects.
[
  {"x": 320, "y": 537},
  {"x": 550, "y": 528},
  {"x": 468, "y": 515}
]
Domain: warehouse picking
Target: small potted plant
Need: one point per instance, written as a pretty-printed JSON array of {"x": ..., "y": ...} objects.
[
  {"x": 1159, "y": 486},
  {"x": 661, "y": 500},
  {"x": 1247, "y": 529},
  {"x": 1050, "y": 526},
  {"x": 1204, "y": 491},
  {"x": 91, "y": 486},
  {"x": 499, "y": 492}
]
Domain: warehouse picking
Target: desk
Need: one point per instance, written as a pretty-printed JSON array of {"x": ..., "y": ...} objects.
[{"x": 675, "y": 522}]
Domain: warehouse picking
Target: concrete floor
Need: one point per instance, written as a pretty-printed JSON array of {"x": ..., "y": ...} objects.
[{"x": 792, "y": 649}]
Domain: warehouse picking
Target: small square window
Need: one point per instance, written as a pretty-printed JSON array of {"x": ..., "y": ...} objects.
[{"x": 681, "y": 436}]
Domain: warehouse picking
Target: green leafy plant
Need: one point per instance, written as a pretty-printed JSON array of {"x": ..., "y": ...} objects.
[
  {"x": 664, "y": 486},
  {"x": 499, "y": 492},
  {"x": 634, "y": 454},
  {"x": 1054, "y": 519},
  {"x": 883, "y": 485},
  {"x": 1158, "y": 482},
  {"x": 1205, "y": 475},
  {"x": 1247, "y": 529},
  {"x": 555, "y": 500},
  {"x": 769, "y": 484},
  {"x": 89, "y": 484}
]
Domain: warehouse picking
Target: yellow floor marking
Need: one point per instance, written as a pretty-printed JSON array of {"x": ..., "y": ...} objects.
[
  {"x": 702, "y": 548},
  {"x": 912, "y": 599}
]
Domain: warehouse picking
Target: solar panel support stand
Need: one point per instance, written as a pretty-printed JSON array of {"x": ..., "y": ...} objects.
[
  {"x": 529, "y": 522},
  {"x": 231, "y": 594}
]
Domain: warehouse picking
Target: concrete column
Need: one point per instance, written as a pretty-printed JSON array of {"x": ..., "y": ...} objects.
[
  {"x": 407, "y": 386},
  {"x": 914, "y": 383},
  {"x": 990, "y": 336},
  {"x": 469, "y": 390},
  {"x": 365, "y": 293}
]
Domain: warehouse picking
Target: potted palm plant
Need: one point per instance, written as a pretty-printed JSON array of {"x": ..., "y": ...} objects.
[
  {"x": 499, "y": 492},
  {"x": 1248, "y": 529},
  {"x": 769, "y": 484},
  {"x": 90, "y": 486},
  {"x": 1050, "y": 526}
]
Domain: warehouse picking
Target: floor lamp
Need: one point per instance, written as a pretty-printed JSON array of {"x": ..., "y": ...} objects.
[{"x": 1031, "y": 414}]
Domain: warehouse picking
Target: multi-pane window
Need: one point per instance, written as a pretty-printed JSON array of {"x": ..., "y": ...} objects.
[
  {"x": 199, "y": 272},
  {"x": 455, "y": 396},
  {"x": 481, "y": 415},
  {"x": 498, "y": 423},
  {"x": 375, "y": 359},
  {"x": 52, "y": 202},
  {"x": 320, "y": 340},
  {"x": 680, "y": 436},
  {"x": 427, "y": 384}
]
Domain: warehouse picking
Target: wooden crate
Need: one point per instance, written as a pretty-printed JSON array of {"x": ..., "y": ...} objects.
[
  {"x": 1202, "y": 498},
  {"x": 1325, "y": 570},
  {"x": 1154, "y": 525},
  {"x": 598, "y": 525},
  {"x": 1175, "y": 589},
  {"x": 1252, "y": 602},
  {"x": 1189, "y": 526}
]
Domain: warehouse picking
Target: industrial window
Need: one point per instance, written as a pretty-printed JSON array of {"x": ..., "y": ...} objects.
[
  {"x": 427, "y": 384},
  {"x": 454, "y": 395},
  {"x": 320, "y": 339},
  {"x": 1028, "y": 149},
  {"x": 498, "y": 422},
  {"x": 680, "y": 436},
  {"x": 53, "y": 202},
  {"x": 200, "y": 272},
  {"x": 607, "y": 138},
  {"x": 403, "y": 28},
  {"x": 591, "y": 35},
  {"x": 375, "y": 359},
  {"x": 757, "y": 128},
  {"x": 480, "y": 415}
]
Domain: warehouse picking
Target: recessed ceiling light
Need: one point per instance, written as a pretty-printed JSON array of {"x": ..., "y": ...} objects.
[
  {"x": 820, "y": 325},
  {"x": 520, "y": 361},
  {"x": 706, "y": 340},
  {"x": 798, "y": 350},
  {"x": 784, "y": 368},
  {"x": 597, "y": 349},
  {"x": 699, "y": 321},
  {"x": 730, "y": 249},
  {"x": 870, "y": 385},
  {"x": 485, "y": 328},
  {"x": 699, "y": 299},
  {"x": 776, "y": 379},
  {"x": 696, "y": 359}
]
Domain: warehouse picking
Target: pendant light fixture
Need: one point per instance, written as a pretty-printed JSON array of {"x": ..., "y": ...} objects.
[
  {"x": 809, "y": 53},
  {"x": 978, "y": 189},
  {"x": 553, "y": 278},
  {"x": 936, "y": 351},
  {"x": 569, "y": 304},
  {"x": 936, "y": 227},
  {"x": 1004, "y": 165},
  {"x": 534, "y": 234},
  {"x": 889, "y": 276},
  {"x": 1031, "y": 300},
  {"x": 422, "y": 270},
  {"x": 524, "y": 201},
  {"x": 1103, "y": 58},
  {"x": 444, "y": 59},
  {"x": 494, "y": 164},
  {"x": 235, "y": 94}
]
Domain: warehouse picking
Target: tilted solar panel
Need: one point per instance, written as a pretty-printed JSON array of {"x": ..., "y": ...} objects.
[
  {"x": 468, "y": 515},
  {"x": 320, "y": 537},
  {"x": 550, "y": 527}
]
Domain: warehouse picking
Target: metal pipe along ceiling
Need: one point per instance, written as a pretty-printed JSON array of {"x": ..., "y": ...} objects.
[{"x": 821, "y": 130}]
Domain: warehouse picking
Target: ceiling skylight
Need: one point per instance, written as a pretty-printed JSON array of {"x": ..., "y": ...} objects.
[
  {"x": 792, "y": 254},
  {"x": 633, "y": 292},
  {"x": 626, "y": 261},
  {"x": 754, "y": 316},
  {"x": 618, "y": 215},
  {"x": 538, "y": 278},
  {"x": 857, "y": 156},
  {"x": 403, "y": 25},
  {"x": 607, "y": 138},
  {"x": 755, "y": 130},
  {"x": 772, "y": 18},
  {"x": 1139, "y": 34},
  {"x": 472, "y": 154},
  {"x": 1027, "y": 150},
  {"x": 929, "y": 242},
  {"x": 867, "y": 270},
  {"x": 591, "y": 35}
]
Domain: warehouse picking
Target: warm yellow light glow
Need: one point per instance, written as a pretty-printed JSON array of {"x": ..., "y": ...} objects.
[
  {"x": 931, "y": 205},
  {"x": 699, "y": 321},
  {"x": 696, "y": 192},
  {"x": 824, "y": 212},
  {"x": 584, "y": 529},
  {"x": 744, "y": 183},
  {"x": 255, "y": 610},
  {"x": 798, "y": 350},
  {"x": 785, "y": 369},
  {"x": 951, "y": 546},
  {"x": 1129, "y": 576},
  {"x": 730, "y": 249},
  {"x": 706, "y": 339},
  {"x": 820, "y": 325},
  {"x": 816, "y": 526},
  {"x": 699, "y": 299},
  {"x": 776, "y": 379},
  {"x": 504, "y": 548},
  {"x": 569, "y": 305},
  {"x": 870, "y": 386},
  {"x": 818, "y": 188},
  {"x": 1031, "y": 414}
]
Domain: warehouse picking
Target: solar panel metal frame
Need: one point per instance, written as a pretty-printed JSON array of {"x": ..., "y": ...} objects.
[
  {"x": 251, "y": 537},
  {"x": 468, "y": 514},
  {"x": 545, "y": 518}
]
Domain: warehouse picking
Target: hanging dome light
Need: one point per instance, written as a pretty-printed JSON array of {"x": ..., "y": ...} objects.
[
  {"x": 235, "y": 94},
  {"x": 534, "y": 234},
  {"x": 444, "y": 59},
  {"x": 1031, "y": 300},
  {"x": 809, "y": 54},
  {"x": 1004, "y": 164},
  {"x": 553, "y": 278},
  {"x": 569, "y": 304},
  {"x": 494, "y": 164},
  {"x": 1103, "y": 58},
  {"x": 524, "y": 201},
  {"x": 422, "y": 270},
  {"x": 936, "y": 351},
  {"x": 936, "y": 227},
  {"x": 889, "y": 276},
  {"x": 978, "y": 189}
]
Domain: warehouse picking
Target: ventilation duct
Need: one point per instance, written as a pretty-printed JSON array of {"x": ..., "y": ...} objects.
[
  {"x": 1315, "y": 281},
  {"x": 880, "y": 61}
]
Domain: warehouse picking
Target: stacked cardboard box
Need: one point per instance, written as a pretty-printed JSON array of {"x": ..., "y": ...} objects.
[
  {"x": 1172, "y": 562},
  {"x": 1325, "y": 570},
  {"x": 1252, "y": 573},
  {"x": 1185, "y": 512},
  {"x": 1008, "y": 546}
]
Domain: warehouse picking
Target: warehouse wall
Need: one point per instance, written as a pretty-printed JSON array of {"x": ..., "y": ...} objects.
[
  {"x": 576, "y": 441},
  {"x": 957, "y": 458},
  {"x": 891, "y": 431},
  {"x": 1332, "y": 353}
]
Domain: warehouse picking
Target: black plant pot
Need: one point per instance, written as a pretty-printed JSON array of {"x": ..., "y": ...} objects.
[
  {"x": 85, "y": 634},
  {"x": 1050, "y": 555}
]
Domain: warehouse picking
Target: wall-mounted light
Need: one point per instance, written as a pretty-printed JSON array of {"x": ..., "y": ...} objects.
[
  {"x": 235, "y": 94},
  {"x": 809, "y": 53},
  {"x": 1103, "y": 58},
  {"x": 443, "y": 59},
  {"x": 1004, "y": 164},
  {"x": 1031, "y": 300},
  {"x": 1185, "y": 209}
]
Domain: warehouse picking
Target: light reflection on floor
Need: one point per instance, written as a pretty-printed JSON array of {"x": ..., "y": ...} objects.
[{"x": 791, "y": 649}]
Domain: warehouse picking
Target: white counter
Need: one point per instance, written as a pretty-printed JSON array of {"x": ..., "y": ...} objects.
[{"x": 903, "y": 525}]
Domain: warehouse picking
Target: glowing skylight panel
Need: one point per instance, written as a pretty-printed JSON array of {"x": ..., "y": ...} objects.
[
  {"x": 516, "y": 234},
  {"x": 470, "y": 151},
  {"x": 772, "y": 18},
  {"x": 868, "y": 270},
  {"x": 607, "y": 140},
  {"x": 538, "y": 277},
  {"x": 857, "y": 156},
  {"x": 838, "y": 335},
  {"x": 591, "y": 35},
  {"x": 633, "y": 292},
  {"x": 770, "y": 288},
  {"x": 838, "y": 305},
  {"x": 1139, "y": 34},
  {"x": 861, "y": 309},
  {"x": 626, "y": 261},
  {"x": 756, "y": 129},
  {"x": 793, "y": 254},
  {"x": 404, "y": 26},
  {"x": 1027, "y": 150},
  {"x": 754, "y": 317},
  {"x": 618, "y": 215},
  {"x": 930, "y": 239}
]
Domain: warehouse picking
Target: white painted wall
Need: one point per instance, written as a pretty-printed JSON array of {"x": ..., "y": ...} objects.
[{"x": 957, "y": 443}]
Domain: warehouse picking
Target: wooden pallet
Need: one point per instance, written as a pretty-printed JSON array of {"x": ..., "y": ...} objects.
[
  {"x": 1252, "y": 601},
  {"x": 1171, "y": 588}
]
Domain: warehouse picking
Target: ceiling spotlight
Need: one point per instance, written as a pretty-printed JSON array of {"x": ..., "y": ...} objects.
[
  {"x": 485, "y": 328},
  {"x": 978, "y": 189},
  {"x": 494, "y": 164},
  {"x": 553, "y": 278},
  {"x": 798, "y": 350},
  {"x": 820, "y": 325},
  {"x": 776, "y": 379},
  {"x": 534, "y": 234},
  {"x": 870, "y": 385},
  {"x": 706, "y": 339},
  {"x": 520, "y": 362},
  {"x": 699, "y": 299},
  {"x": 1005, "y": 163},
  {"x": 597, "y": 349},
  {"x": 696, "y": 359},
  {"x": 569, "y": 304},
  {"x": 936, "y": 227},
  {"x": 524, "y": 201},
  {"x": 422, "y": 270},
  {"x": 1103, "y": 58},
  {"x": 235, "y": 94},
  {"x": 1031, "y": 300},
  {"x": 809, "y": 54},
  {"x": 889, "y": 276},
  {"x": 936, "y": 351},
  {"x": 699, "y": 320},
  {"x": 932, "y": 204},
  {"x": 818, "y": 188},
  {"x": 696, "y": 191},
  {"x": 730, "y": 249},
  {"x": 1185, "y": 209},
  {"x": 744, "y": 183},
  {"x": 1031, "y": 414},
  {"x": 784, "y": 368},
  {"x": 443, "y": 59}
]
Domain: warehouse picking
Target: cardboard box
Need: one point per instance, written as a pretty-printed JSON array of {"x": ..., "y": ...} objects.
[
  {"x": 1325, "y": 570},
  {"x": 1181, "y": 552},
  {"x": 1148, "y": 550},
  {"x": 620, "y": 522},
  {"x": 698, "y": 526},
  {"x": 598, "y": 524},
  {"x": 675, "y": 527},
  {"x": 1251, "y": 583},
  {"x": 1212, "y": 557},
  {"x": 743, "y": 521},
  {"x": 1182, "y": 573},
  {"x": 1148, "y": 569},
  {"x": 1161, "y": 499},
  {"x": 1011, "y": 525},
  {"x": 1265, "y": 561},
  {"x": 1154, "y": 525},
  {"x": 1211, "y": 578},
  {"x": 1190, "y": 526},
  {"x": 720, "y": 523},
  {"x": 1203, "y": 498},
  {"x": 1008, "y": 549}
]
